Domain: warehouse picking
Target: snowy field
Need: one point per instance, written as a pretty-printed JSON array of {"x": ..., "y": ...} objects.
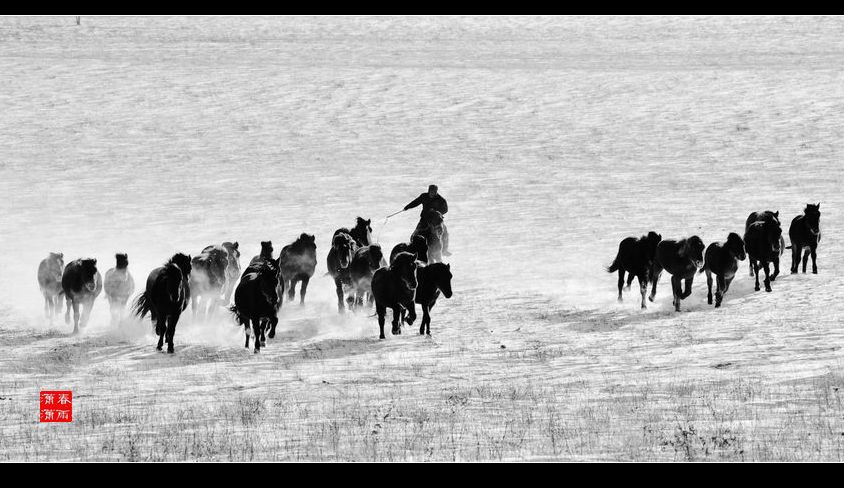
[{"x": 551, "y": 138}]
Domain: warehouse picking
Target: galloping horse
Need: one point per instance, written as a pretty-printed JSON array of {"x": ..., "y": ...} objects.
[
  {"x": 763, "y": 243},
  {"x": 343, "y": 248},
  {"x": 119, "y": 286},
  {"x": 681, "y": 259},
  {"x": 722, "y": 259},
  {"x": 774, "y": 219},
  {"x": 81, "y": 284},
  {"x": 257, "y": 300},
  {"x": 298, "y": 263},
  {"x": 805, "y": 232},
  {"x": 395, "y": 287},
  {"x": 637, "y": 257},
  {"x": 166, "y": 296},
  {"x": 208, "y": 279},
  {"x": 433, "y": 234},
  {"x": 50, "y": 271}
]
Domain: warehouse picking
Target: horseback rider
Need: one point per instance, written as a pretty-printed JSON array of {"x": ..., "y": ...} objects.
[{"x": 431, "y": 200}]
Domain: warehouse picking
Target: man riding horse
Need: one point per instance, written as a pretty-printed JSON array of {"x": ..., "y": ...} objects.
[{"x": 431, "y": 201}]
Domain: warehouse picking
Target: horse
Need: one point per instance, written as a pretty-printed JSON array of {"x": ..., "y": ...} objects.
[
  {"x": 343, "y": 248},
  {"x": 208, "y": 278},
  {"x": 431, "y": 280},
  {"x": 636, "y": 256},
  {"x": 722, "y": 259},
  {"x": 763, "y": 243},
  {"x": 50, "y": 283},
  {"x": 395, "y": 287},
  {"x": 433, "y": 234},
  {"x": 119, "y": 286},
  {"x": 298, "y": 263},
  {"x": 166, "y": 296},
  {"x": 773, "y": 218},
  {"x": 81, "y": 284},
  {"x": 681, "y": 259},
  {"x": 232, "y": 269},
  {"x": 257, "y": 300},
  {"x": 365, "y": 261},
  {"x": 805, "y": 232},
  {"x": 361, "y": 232},
  {"x": 266, "y": 254},
  {"x": 418, "y": 245}
]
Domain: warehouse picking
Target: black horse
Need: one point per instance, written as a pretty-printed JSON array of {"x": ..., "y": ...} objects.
[
  {"x": 257, "y": 300},
  {"x": 361, "y": 232},
  {"x": 418, "y": 245},
  {"x": 208, "y": 278},
  {"x": 343, "y": 248},
  {"x": 266, "y": 254},
  {"x": 119, "y": 286},
  {"x": 431, "y": 280},
  {"x": 366, "y": 260},
  {"x": 50, "y": 282},
  {"x": 805, "y": 233},
  {"x": 81, "y": 285},
  {"x": 298, "y": 263},
  {"x": 763, "y": 243},
  {"x": 636, "y": 256},
  {"x": 232, "y": 269},
  {"x": 166, "y": 296},
  {"x": 774, "y": 219},
  {"x": 395, "y": 288},
  {"x": 722, "y": 259},
  {"x": 433, "y": 234},
  {"x": 681, "y": 259}
]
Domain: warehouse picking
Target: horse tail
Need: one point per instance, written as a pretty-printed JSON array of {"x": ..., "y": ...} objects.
[
  {"x": 141, "y": 306},
  {"x": 237, "y": 315},
  {"x": 614, "y": 266}
]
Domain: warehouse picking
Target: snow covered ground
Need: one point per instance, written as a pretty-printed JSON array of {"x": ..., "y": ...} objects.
[{"x": 551, "y": 138}]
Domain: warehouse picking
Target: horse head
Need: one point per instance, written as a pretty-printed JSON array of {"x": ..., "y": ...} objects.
[
  {"x": 404, "y": 267},
  {"x": 376, "y": 255},
  {"x": 57, "y": 260},
  {"x": 183, "y": 262},
  {"x": 692, "y": 249},
  {"x": 267, "y": 249},
  {"x": 308, "y": 242},
  {"x": 420, "y": 245},
  {"x": 813, "y": 218},
  {"x": 89, "y": 270},
  {"x": 735, "y": 246},
  {"x": 268, "y": 278},
  {"x": 363, "y": 231},
  {"x": 773, "y": 234},
  {"x": 442, "y": 277},
  {"x": 121, "y": 260},
  {"x": 344, "y": 247}
]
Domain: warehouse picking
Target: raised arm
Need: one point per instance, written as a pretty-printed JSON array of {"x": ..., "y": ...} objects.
[{"x": 414, "y": 203}]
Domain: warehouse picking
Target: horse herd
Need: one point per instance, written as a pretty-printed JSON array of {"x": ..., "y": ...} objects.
[
  {"x": 647, "y": 257},
  {"x": 414, "y": 275}
]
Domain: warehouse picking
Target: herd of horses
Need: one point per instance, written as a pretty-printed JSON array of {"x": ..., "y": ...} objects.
[
  {"x": 648, "y": 256},
  {"x": 415, "y": 274}
]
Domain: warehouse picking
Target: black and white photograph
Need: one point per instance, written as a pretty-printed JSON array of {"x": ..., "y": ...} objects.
[{"x": 412, "y": 239}]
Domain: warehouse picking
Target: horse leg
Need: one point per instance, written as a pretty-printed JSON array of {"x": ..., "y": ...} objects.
[
  {"x": 303, "y": 289},
  {"x": 795, "y": 257},
  {"x": 688, "y": 291},
  {"x": 172, "y": 320},
  {"x": 620, "y": 282},
  {"x": 643, "y": 287},
  {"x": 291, "y": 289},
  {"x": 767, "y": 267},
  {"x": 339, "y": 286},
  {"x": 273, "y": 324},
  {"x": 709, "y": 287},
  {"x": 426, "y": 320},
  {"x": 87, "y": 306},
  {"x": 75, "y": 317},
  {"x": 411, "y": 311},
  {"x": 722, "y": 289},
  {"x": 676, "y": 289},
  {"x": 68, "y": 305},
  {"x": 160, "y": 330},
  {"x": 630, "y": 278},
  {"x": 246, "y": 331},
  {"x": 814, "y": 250},
  {"x": 776, "y": 262},
  {"x": 263, "y": 328},
  {"x": 381, "y": 310},
  {"x": 396, "y": 315},
  {"x": 256, "y": 330},
  {"x": 806, "y": 258},
  {"x": 755, "y": 266},
  {"x": 753, "y": 269},
  {"x": 48, "y": 305},
  {"x": 657, "y": 274}
]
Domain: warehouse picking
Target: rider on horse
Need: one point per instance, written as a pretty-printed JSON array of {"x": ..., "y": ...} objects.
[{"x": 431, "y": 200}]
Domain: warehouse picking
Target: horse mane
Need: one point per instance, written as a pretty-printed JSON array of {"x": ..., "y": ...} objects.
[{"x": 181, "y": 261}]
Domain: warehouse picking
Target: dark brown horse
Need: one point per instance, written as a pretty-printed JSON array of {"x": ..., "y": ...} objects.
[
  {"x": 431, "y": 280},
  {"x": 418, "y": 245},
  {"x": 433, "y": 234},
  {"x": 50, "y": 282},
  {"x": 119, "y": 286},
  {"x": 298, "y": 263},
  {"x": 361, "y": 232},
  {"x": 763, "y": 243},
  {"x": 722, "y": 259},
  {"x": 774, "y": 219},
  {"x": 166, "y": 296},
  {"x": 343, "y": 248},
  {"x": 681, "y": 259},
  {"x": 81, "y": 285},
  {"x": 395, "y": 288},
  {"x": 257, "y": 300},
  {"x": 636, "y": 256},
  {"x": 366, "y": 260},
  {"x": 805, "y": 233}
]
